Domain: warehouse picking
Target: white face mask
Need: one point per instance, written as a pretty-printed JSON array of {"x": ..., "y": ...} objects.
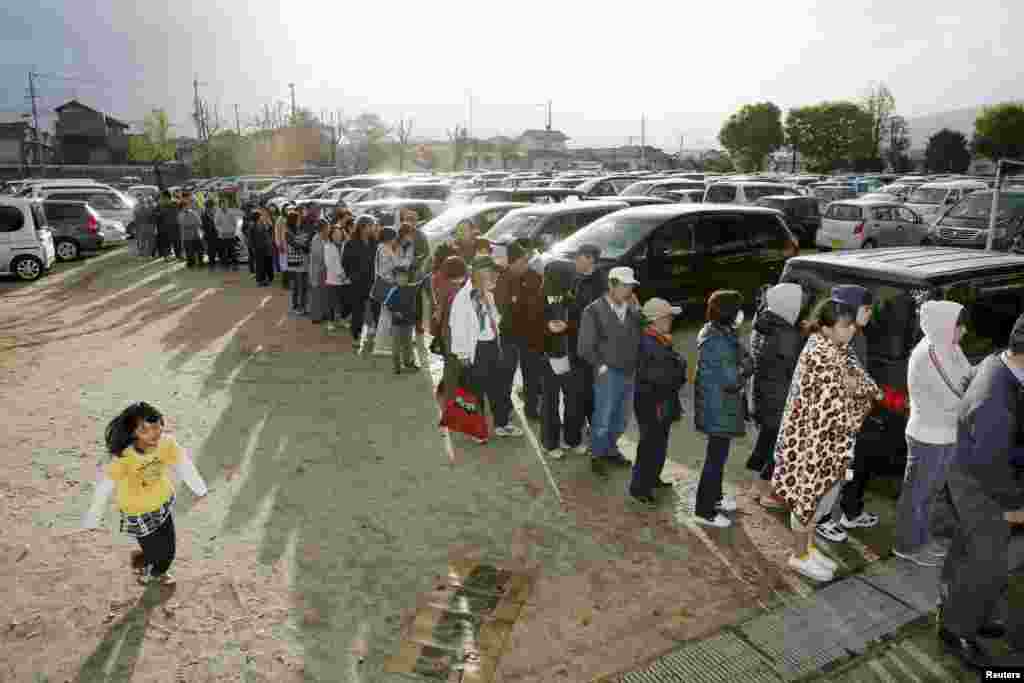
[
  {"x": 863, "y": 316},
  {"x": 739, "y": 319}
]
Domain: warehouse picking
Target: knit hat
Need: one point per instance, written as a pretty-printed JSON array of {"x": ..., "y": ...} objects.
[
  {"x": 723, "y": 305},
  {"x": 388, "y": 234},
  {"x": 854, "y": 296},
  {"x": 519, "y": 249},
  {"x": 454, "y": 267},
  {"x": 784, "y": 300},
  {"x": 1017, "y": 336}
]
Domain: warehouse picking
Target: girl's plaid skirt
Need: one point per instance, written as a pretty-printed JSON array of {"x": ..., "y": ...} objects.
[{"x": 146, "y": 523}]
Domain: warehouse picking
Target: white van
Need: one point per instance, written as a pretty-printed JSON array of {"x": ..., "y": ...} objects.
[
  {"x": 26, "y": 243},
  {"x": 746, "y": 192},
  {"x": 932, "y": 199}
]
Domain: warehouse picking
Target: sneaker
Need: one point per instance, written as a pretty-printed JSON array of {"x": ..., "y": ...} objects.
[
  {"x": 726, "y": 504},
  {"x": 772, "y": 502},
  {"x": 864, "y": 520},
  {"x": 920, "y": 558},
  {"x": 719, "y": 521},
  {"x": 810, "y": 569},
  {"x": 824, "y": 560},
  {"x": 830, "y": 531},
  {"x": 556, "y": 454},
  {"x": 643, "y": 500},
  {"x": 508, "y": 430}
]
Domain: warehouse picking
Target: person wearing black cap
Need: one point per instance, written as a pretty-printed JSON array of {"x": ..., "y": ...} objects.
[
  {"x": 848, "y": 512},
  {"x": 261, "y": 239},
  {"x": 983, "y": 485},
  {"x": 588, "y": 286},
  {"x": 520, "y": 298}
]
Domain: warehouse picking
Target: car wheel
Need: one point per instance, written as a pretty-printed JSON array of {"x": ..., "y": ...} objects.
[
  {"x": 67, "y": 250},
  {"x": 870, "y": 244},
  {"x": 27, "y": 268}
]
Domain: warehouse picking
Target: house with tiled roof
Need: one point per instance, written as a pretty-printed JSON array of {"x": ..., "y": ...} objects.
[{"x": 88, "y": 136}]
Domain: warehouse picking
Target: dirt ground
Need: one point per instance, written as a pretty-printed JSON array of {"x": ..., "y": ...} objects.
[{"x": 335, "y": 504}]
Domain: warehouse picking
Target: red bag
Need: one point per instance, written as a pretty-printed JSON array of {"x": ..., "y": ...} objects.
[{"x": 464, "y": 413}]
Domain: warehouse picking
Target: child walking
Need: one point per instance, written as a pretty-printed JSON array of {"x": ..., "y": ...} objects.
[
  {"x": 401, "y": 301},
  {"x": 139, "y": 477}
]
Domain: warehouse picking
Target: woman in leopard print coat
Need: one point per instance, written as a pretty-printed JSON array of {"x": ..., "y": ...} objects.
[{"x": 829, "y": 399}]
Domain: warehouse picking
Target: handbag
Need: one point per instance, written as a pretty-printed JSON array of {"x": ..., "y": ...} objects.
[{"x": 464, "y": 414}]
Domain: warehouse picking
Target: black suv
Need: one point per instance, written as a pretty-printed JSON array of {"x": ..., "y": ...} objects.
[
  {"x": 684, "y": 252},
  {"x": 802, "y": 215},
  {"x": 75, "y": 227},
  {"x": 989, "y": 284}
]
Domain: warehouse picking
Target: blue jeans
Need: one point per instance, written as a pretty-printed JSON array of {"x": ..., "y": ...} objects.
[
  {"x": 923, "y": 506},
  {"x": 613, "y": 396}
]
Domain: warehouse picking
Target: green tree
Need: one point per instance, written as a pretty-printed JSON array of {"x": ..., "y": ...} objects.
[
  {"x": 752, "y": 133},
  {"x": 830, "y": 134},
  {"x": 155, "y": 145},
  {"x": 999, "y": 131},
  {"x": 367, "y": 135},
  {"x": 220, "y": 155},
  {"x": 879, "y": 103},
  {"x": 714, "y": 161},
  {"x": 947, "y": 152}
]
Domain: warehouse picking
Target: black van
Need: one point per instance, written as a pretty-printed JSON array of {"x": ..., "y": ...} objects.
[
  {"x": 684, "y": 252},
  {"x": 990, "y": 284},
  {"x": 547, "y": 223}
]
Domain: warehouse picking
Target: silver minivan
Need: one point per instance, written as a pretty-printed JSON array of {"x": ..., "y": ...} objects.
[
  {"x": 865, "y": 224},
  {"x": 745, "y": 192},
  {"x": 26, "y": 243},
  {"x": 108, "y": 203}
]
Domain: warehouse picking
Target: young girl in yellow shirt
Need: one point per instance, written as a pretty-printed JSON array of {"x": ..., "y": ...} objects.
[{"x": 140, "y": 478}]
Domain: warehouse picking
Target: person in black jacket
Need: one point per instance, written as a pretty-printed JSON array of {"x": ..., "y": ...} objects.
[
  {"x": 261, "y": 238},
  {"x": 559, "y": 380},
  {"x": 660, "y": 374},
  {"x": 209, "y": 229},
  {"x": 588, "y": 286},
  {"x": 168, "y": 233},
  {"x": 357, "y": 262},
  {"x": 775, "y": 345}
]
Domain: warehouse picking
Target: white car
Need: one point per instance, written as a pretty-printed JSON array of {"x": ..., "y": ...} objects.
[
  {"x": 932, "y": 199},
  {"x": 26, "y": 243},
  {"x": 860, "y": 224},
  {"x": 746, "y": 192}
]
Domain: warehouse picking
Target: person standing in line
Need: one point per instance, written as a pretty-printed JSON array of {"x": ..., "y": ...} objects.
[
  {"x": 164, "y": 224},
  {"x": 225, "y": 234},
  {"x": 775, "y": 345},
  {"x": 474, "y": 327},
  {"x": 938, "y": 374},
  {"x": 389, "y": 257},
  {"x": 235, "y": 219},
  {"x": 449, "y": 279},
  {"x": 520, "y": 298},
  {"x": 466, "y": 234},
  {"x": 139, "y": 477},
  {"x": 588, "y": 286},
  {"x": 281, "y": 245},
  {"x": 318, "y": 274},
  {"x": 401, "y": 302},
  {"x": 357, "y": 262},
  {"x": 719, "y": 404},
  {"x": 848, "y": 511},
  {"x": 609, "y": 340},
  {"x": 560, "y": 382},
  {"x": 299, "y": 236},
  {"x": 146, "y": 230},
  {"x": 830, "y": 397},
  {"x": 984, "y": 483},
  {"x": 415, "y": 240},
  {"x": 660, "y": 375},
  {"x": 335, "y": 280},
  {"x": 210, "y": 236},
  {"x": 191, "y": 224},
  {"x": 261, "y": 240}
]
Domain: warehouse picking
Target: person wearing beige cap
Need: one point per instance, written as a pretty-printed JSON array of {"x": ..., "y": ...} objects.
[{"x": 660, "y": 374}]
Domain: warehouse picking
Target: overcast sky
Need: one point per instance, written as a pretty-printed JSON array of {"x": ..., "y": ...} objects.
[{"x": 686, "y": 65}]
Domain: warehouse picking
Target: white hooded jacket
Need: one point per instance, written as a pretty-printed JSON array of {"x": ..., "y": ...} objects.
[{"x": 933, "y": 404}]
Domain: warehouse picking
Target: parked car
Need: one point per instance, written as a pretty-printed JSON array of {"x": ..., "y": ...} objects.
[
  {"x": 403, "y": 190},
  {"x": 932, "y": 199},
  {"x": 607, "y": 186},
  {"x": 645, "y": 200},
  {"x": 658, "y": 188},
  {"x": 988, "y": 284},
  {"x": 547, "y": 224},
  {"x": 901, "y": 190},
  {"x": 109, "y": 203},
  {"x": 442, "y": 228},
  {"x": 745, "y": 192},
  {"x": 865, "y": 224},
  {"x": 530, "y": 195},
  {"x": 77, "y": 228},
  {"x": 967, "y": 223},
  {"x": 251, "y": 187},
  {"x": 685, "y": 196},
  {"x": 37, "y": 189},
  {"x": 26, "y": 243},
  {"x": 384, "y": 209},
  {"x": 801, "y": 213},
  {"x": 684, "y": 252}
]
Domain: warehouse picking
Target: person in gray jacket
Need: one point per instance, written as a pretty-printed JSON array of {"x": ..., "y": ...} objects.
[
  {"x": 609, "y": 340},
  {"x": 318, "y": 274},
  {"x": 190, "y": 223}
]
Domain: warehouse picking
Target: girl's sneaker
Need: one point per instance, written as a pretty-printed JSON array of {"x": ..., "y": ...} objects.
[
  {"x": 864, "y": 520},
  {"x": 727, "y": 504},
  {"x": 831, "y": 531},
  {"x": 824, "y": 560},
  {"x": 719, "y": 521},
  {"x": 811, "y": 569}
]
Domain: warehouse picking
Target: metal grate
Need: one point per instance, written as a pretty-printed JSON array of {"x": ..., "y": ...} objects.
[{"x": 719, "y": 659}]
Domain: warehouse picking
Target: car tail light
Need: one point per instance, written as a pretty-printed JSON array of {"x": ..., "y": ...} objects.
[
  {"x": 895, "y": 400},
  {"x": 859, "y": 230},
  {"x": 91, "y": 224}
]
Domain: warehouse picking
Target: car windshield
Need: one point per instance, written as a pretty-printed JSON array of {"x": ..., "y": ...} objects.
[
  {"x": 514, "y": 226},
  {"x": 927, "y": 195},
  {"x": 979, "y": 205},
  {"x": 636, "y": 190},
  {"x": 614, "y": 235}
]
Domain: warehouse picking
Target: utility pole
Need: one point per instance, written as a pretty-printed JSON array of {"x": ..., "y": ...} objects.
[
  {"x": 994, "y": 210},
  {"x": 549, "y": 116},
  {"x": 292, "y": 86},
  {"x": 35, "y": 118},
  {"x": 238, "y": 124},
  {"x": 643, "y": 143}
]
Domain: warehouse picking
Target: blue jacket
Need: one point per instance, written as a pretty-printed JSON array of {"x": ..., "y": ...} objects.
[
  {"x": 722, "y": 369},
  {"x": 988, "y": 446},
  {"x": 660, "y": 374}
]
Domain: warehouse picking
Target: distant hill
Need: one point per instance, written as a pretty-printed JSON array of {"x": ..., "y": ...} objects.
[{"x": 923, "y": 127}]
